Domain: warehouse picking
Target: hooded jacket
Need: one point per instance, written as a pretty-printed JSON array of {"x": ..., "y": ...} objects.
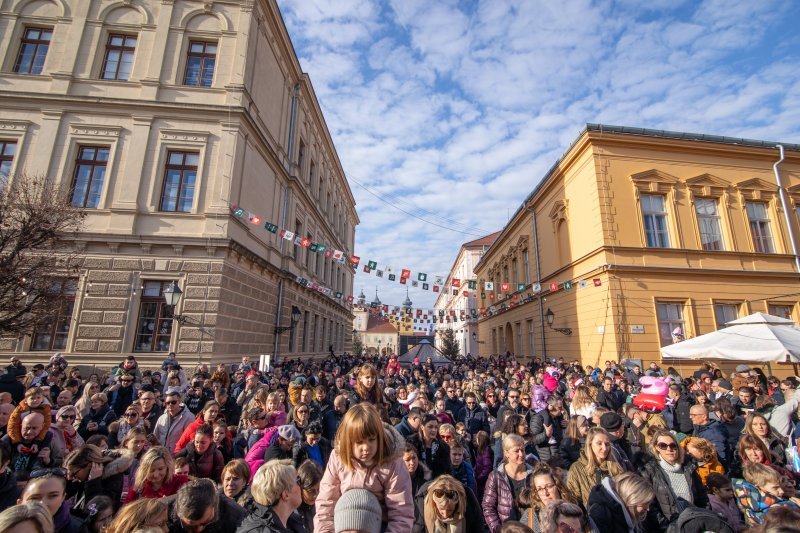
[
  {"x": 262, "y": 520},
  {"x": 607, "y": 511},
  {"x": 544, "y": 449},
  {"x": 498, "y": 498},
  {"x": 188, "y": 434},
  {"x": 755, "y": 503},
  {"x": 389, "y": 482},
  {"x": 102, "y": 417}
]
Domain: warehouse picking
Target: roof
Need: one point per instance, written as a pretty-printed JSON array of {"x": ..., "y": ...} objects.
[
  {"x": 486, "y": 240},
  {"x": 641, "y": 132},
  {"x": 377, "y": 324}
]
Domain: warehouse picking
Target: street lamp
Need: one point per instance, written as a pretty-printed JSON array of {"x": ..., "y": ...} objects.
[
  {"x": 475, "y": 338},
  {"x": 549, "y": 317},
  {"x": 295, "y": 318},
  {"x": 172, "y": 295}
]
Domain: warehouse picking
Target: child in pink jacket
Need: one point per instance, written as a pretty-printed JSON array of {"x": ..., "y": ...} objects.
[{"x": 367, "y": 455}]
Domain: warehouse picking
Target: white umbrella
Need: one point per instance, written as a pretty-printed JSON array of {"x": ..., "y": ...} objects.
[{"x": 758, "y": 338}]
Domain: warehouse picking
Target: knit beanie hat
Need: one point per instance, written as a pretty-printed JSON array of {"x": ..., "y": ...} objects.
[{"x": 358, "y": 510}]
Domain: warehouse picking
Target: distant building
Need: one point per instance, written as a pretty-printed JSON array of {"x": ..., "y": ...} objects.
[
  {"x": 637, "y": 238},
  {"x": 378, "y": 334},
  {"x": 458, "y": 310},
  {"x": 160, "y": 116}
]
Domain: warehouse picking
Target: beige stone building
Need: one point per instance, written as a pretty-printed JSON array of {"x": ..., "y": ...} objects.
[
  {"x": 463, "y": 324},
  {"x": 159, "y": 115},
  {"x": 638, "y": 238}
]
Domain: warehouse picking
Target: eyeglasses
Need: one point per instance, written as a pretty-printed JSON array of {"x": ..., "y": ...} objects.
[
  {"x": 667, "y": 446},
  {"x": 68, "y": 417},
  {"x": 513, "y": 397},
  {"x": 546, "y": 488},
  {"x": 130, "y": 415},
  {"x": 443, "y": 493},
  {"x": 42, "y": 472},
  {"x": 525, "y": 399}
]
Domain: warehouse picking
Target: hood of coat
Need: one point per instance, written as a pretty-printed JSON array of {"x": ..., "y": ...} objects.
[
  {"x": 121, "y": 463},
  {"x": 397, "y": 444}
]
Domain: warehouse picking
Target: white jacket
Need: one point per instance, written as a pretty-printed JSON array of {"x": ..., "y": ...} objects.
[{"x": 169, "y": 429}]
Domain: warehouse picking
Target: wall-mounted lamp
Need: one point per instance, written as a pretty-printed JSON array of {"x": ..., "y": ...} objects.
[{"x": 549, "y": 317}]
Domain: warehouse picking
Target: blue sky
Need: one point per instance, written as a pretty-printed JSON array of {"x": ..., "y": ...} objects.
[{"x": 454, "y": 110}]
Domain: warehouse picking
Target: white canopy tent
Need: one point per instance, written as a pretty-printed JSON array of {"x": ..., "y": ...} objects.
[{"x": 759, "y": 337}]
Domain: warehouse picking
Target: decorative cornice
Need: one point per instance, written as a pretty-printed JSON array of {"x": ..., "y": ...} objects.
[
  {"x": 184, "y": 136},
  {"x": 14, "y": 125},
  {"x": 95, "y": 130}
]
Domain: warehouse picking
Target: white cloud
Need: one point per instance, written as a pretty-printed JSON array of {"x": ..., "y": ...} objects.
[{"x": 456, "y": 110}]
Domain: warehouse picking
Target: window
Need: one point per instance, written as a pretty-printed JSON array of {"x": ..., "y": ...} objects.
[
  {"x": 301, "y": 155},
  {"x": 180, "y": 174},
  {"x": 154, "y": 325},
  {"x": 526, "y": 267},
  {"x": 781, "y": 310},
  {"x": 708, "y": 222},
  {"x": 33, "y": 51},
  {"x": 312, "y": 169},
  {"x": 724, "y": 313},
  {"x": 52, "y": 334},
  {"x": 313, "y": 342},
  {"x": 518, "y": 347},
  {"x": 759, "y": 227},
  {"x": 655, "y": 221},
  {"x": 514, "y": 275},
  {"x": 200, "y": 64},
  {"x": 670, "y": 322},
  {"x": 304, "y": 341},
  {"x": 119, "y": 57},
  {"x": 531, "y": 351},
  {"x": 90, "y": 173},
  {"x": 7, "y": 151}
]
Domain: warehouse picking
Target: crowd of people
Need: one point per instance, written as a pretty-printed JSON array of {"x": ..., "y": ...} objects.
[{"x": 364, "y": 444}]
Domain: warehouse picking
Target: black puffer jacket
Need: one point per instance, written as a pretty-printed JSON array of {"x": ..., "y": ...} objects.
[
  {"x": 544, "y": 449},
  {"x": 606, "y": 510},
  {"x": 9, "y": 491},
  {"x": 262, "y": 520},
  {"x": 665, "y": 509},
  {"x": 102, "y": 417}
]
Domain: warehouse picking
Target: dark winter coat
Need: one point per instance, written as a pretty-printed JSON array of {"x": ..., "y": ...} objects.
[
  {"x": 120, "y": 399},
  {"x": 9, "y": 384},
  {"x": 404, "y": 429},
  {"x": 207, "y": 465},
  {"x": 664, "y": 509},
  {"x": 262, "y": 520},
  {"x": 230, "y": 517},
  {"x": 437, "y": 459},
  {"x": 300, "y": 452},
  {"x": 498, "y": 498},
  {"x": 9, "y": 491},
  {"x": 475, "y": 420},
  {"x": 717, "y": 433},
  {"x": 109, "y": 484},
  {"x": 606, "y": 510},
  {"x": 611, "y": 400},
  {"x": 544, "y": 450},
  {"x": 103, "y": 417},
  {"x": 680, "y": 415},
  {"x": 570, "y": 450},
  {"x": 473, "y": 520}
]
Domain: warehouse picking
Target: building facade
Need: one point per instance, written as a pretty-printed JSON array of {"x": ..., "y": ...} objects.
[
  {"x": 636, "y": 239},
  {"x": 378, "y": 333},
  {"x": 458, "y": 308},
  {"x": 161, "y": 117}
]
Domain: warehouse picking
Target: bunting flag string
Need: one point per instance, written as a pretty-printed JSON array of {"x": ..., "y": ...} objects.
[{"x": 513, "y": 293}]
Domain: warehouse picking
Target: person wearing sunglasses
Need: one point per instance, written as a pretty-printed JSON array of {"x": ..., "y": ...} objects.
[
  {"x": 65, "y": 437},
  {"x": 174, "y": 421},
  {"x": 49, "y": 487},
  {"x": 122, "y": 394},
  {"x": 674, "y": 479},
  {"x": 444, "y": 504},
  {"x": 118, "y": 429}
]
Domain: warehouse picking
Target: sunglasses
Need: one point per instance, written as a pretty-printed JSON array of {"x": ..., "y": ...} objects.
[
  {"x": 667, "y": 446},
  {"x": 170, "y": 402},
  {"x": 129, "y": 415},
  {"x": 68, "y": 417},
  {"x": 443, "y": 493},
  {"x": 43, "y": 472}
]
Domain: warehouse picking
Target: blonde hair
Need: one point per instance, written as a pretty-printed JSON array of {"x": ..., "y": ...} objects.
[
  {"x": 271, "y": 480},
  {"x": 760, "y": 475},
  {"x": 447, "y": 428},
  {"x": 634, "y": 490},
  {"x": 511, "y": 440},
  {"x": 592, "y": 461},
  {"x": 137, "y": 515},
  {"x": 581, "y": 398},
  {"x": 100, "y": 396},
  {"x": 444, "y": 482},
  {"x": 146, "y": 464},
  {"x": 704, "y": 446},
  {"x": 35, "y": 512},
  {"x": 362, "y": 421}
]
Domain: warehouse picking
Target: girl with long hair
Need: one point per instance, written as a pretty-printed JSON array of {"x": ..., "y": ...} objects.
[
  {"x": 627, "y": 496},
  {"x": 445, "y": 505},
  {"x": 155, "y": 477},
  {"x": 575, "y": 435},
  {"x": 367, "y": 455},
  {"x": 596, "y": 462},
  {"x": 546, "y": 487}
]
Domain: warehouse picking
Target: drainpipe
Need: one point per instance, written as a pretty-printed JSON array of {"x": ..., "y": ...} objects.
[
  {"x": 538, "y": 281},
  {"x": 785, "y": 208},
  {"x": 278, "y": 314}
]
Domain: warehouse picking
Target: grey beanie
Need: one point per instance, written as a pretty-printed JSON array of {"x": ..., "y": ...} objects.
[{"x": 358, "y": 510}]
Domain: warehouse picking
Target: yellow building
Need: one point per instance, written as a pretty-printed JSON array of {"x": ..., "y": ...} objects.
[{"x": 636, "y": 238}]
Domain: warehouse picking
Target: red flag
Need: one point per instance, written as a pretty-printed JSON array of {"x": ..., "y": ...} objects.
[
  {"x": 597, "y": 282},
  {"x": 355, "y": 260},
  {"x": 350, "y": 299},
  {"x": 554, "y": 287},
  {"x": 465, "y": 294},
  {"x": 366, "y": 269},
  {"x": 305, "y": 242},
  {"x": 255, "y": 220},
  {"x": 328, "y": 253},
  {"x": 491, "y": 296},
  {"x": 435, "y": 288},
  {"x": 405, "y": 274},
  {"x": 505, "y": 287},
  {"x": 403, "y": 281},
  {"x": 456, "y": 282}
]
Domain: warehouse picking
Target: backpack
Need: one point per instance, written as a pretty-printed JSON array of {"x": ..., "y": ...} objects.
[{"x": 696, "y": 520}]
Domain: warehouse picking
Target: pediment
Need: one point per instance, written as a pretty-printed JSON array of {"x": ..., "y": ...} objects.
[
  {"x": 757, "y": 184},
  {"x": 559, "y": 210},
  {"x": 653, "y": 175},
  {"x": 794, "y": 189},
  {"x": 706, "y": 180}
]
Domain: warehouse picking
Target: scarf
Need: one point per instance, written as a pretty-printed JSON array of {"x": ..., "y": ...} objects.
[
  {"x": 436, "y": 524},
  {"x": 677, "y": 480},
  {"x": 69, "y": 440},
  {"x": 61, "y": 518}
]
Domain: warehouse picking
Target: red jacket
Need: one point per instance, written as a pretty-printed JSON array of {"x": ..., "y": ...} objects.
[
  {"x": 167, "y": 489},
  {"x": 188, "y": 434}
]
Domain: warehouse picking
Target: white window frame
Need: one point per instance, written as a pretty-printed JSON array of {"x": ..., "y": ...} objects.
[
  {"x": 670, "y": 322},
  {"x": 663, "y": 214},
  {"x": 724, "y": 308},
  {"x": 764, "y": 226},
  {"x": 713, "y": 220}
]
